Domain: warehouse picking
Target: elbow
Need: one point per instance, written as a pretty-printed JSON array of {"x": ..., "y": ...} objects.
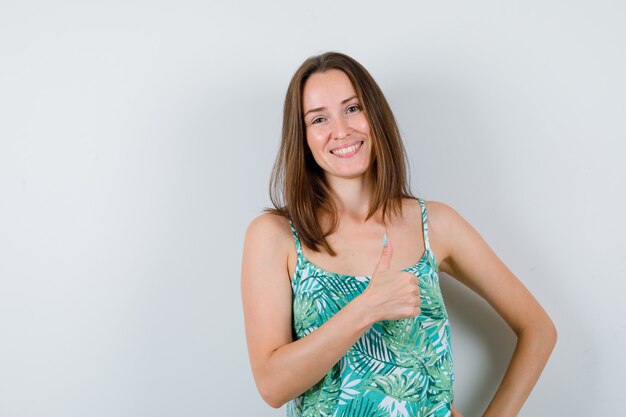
[
  {"x": 270, "y": 383},
  {"x": 271, "y": 394},
  {"x": 552, "y": 334},
  {"x": 543, "y": 333},
  {"x": 548, "y": 332},
  {"x": 549, "y": 337},
  {"x": 272, "y": 400}
]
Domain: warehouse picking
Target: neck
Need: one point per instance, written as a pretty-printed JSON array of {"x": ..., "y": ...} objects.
[{"x": 352, "y": 196}]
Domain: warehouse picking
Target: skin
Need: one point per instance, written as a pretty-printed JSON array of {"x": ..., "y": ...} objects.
[{"x": 284, "y": 368}]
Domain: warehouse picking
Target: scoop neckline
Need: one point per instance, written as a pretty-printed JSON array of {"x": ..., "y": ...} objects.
[
  {"x": 327, "y": 272},
  {"x": 303, "y": 259}
]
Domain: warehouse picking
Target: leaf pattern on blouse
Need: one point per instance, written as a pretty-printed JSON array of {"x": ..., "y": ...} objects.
[{"x": 397, "y": 368}]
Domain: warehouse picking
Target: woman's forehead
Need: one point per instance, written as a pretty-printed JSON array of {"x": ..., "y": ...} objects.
[{"x": 326, "y": 88}]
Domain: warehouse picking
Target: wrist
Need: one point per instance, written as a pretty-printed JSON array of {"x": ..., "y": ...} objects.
[{"x": 364, "y": 310}]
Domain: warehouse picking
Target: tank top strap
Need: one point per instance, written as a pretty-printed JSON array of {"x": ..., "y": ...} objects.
[
  {"x": 425, "y": 224},
  {"x": 296, "y": 239}
]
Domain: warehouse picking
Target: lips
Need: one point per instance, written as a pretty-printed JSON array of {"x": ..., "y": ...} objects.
[{"x": 347, "y": 150}]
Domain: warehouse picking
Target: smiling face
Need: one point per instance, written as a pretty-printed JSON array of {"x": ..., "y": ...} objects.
[{"x": 337, "y": 130}]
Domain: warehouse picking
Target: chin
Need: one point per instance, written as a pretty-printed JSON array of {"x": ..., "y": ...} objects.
[{"x": 350, "y": 174}]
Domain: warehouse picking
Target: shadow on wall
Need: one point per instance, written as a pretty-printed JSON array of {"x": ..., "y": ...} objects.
[{"x": 480, "y": 374}]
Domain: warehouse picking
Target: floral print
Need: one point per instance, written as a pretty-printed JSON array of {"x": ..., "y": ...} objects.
[{"x": 398, "y": 368}]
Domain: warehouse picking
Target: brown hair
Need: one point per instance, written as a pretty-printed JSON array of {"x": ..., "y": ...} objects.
[{"x": 298, "y": 188}]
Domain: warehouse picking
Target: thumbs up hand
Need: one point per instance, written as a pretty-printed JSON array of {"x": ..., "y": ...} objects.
[{"x": 392, "y": 295}]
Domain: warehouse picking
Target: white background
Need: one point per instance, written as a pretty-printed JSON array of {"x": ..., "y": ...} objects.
[{"x": 136, "y": 143}]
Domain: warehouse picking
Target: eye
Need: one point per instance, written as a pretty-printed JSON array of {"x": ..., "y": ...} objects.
[
  {"x": 354, "y": 107},
  {"x": 317, "y": 120}
]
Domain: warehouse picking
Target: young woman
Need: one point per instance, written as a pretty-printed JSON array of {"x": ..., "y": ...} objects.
[{"x": 340, "y": 280}]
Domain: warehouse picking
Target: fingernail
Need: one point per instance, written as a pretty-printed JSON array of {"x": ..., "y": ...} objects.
[{"x": 385, "y": 240}]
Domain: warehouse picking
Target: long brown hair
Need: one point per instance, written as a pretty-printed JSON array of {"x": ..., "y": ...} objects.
[{"x": 298, "y": 188}]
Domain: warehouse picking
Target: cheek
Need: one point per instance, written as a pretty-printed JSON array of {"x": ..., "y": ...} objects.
[
  {"x": 316, "y": 146},
  {"x": 315, "y": 141},
  {"x": 364, "y": 126}
]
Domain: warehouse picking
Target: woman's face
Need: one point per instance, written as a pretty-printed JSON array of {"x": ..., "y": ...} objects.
[{"x": 337, "y": 130}]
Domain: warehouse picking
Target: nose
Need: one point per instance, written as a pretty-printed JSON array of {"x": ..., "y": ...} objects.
[{"x": 341, "y": 128}]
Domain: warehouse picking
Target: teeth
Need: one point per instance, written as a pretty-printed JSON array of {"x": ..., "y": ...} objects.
[{"x": 344, "y": 151}]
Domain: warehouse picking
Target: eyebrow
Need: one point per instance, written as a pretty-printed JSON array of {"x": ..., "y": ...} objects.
[{"x": 322, "y": 108}]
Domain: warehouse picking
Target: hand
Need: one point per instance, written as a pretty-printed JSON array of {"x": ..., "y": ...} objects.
[
  {"x": 455, "y": 412},
  {"x": 392, "y": 295}
]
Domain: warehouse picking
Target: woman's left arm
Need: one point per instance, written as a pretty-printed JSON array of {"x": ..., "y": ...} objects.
[{"x": 466, "y": 256}]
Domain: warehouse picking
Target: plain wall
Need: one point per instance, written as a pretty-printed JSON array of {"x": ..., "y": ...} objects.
[{"x": 136, "y": 144}]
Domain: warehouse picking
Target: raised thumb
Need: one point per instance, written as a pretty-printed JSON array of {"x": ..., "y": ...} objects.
[{"x": 385, "y": 258}]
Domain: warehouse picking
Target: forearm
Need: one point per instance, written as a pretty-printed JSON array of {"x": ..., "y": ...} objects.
[
  {"x": 530, "y": 356},
  {"x": 297, "y": 366}
]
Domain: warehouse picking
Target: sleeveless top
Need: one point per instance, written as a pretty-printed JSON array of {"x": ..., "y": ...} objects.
[{"x": 400, "y": 368}]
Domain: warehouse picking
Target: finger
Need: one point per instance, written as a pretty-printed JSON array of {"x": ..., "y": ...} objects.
[{"x": 385, "y": 258}]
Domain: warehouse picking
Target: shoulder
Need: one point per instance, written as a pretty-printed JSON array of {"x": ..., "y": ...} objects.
[
  {"x": 444, "y": 223},
  {"x": 268, "y": 223},
  {"x": 440, "y": 214},
  {"x": 457, "y": 240},
  {"x": 267, "y": 248},
  {"x": 268, "y": 229},
  {"x": 437, "y": 212}
]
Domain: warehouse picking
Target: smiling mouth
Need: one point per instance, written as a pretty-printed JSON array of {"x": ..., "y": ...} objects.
[{"x": 347, "y": 151}]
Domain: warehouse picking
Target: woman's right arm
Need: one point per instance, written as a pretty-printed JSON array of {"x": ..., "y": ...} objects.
[{"x": 283, "y": 368}]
